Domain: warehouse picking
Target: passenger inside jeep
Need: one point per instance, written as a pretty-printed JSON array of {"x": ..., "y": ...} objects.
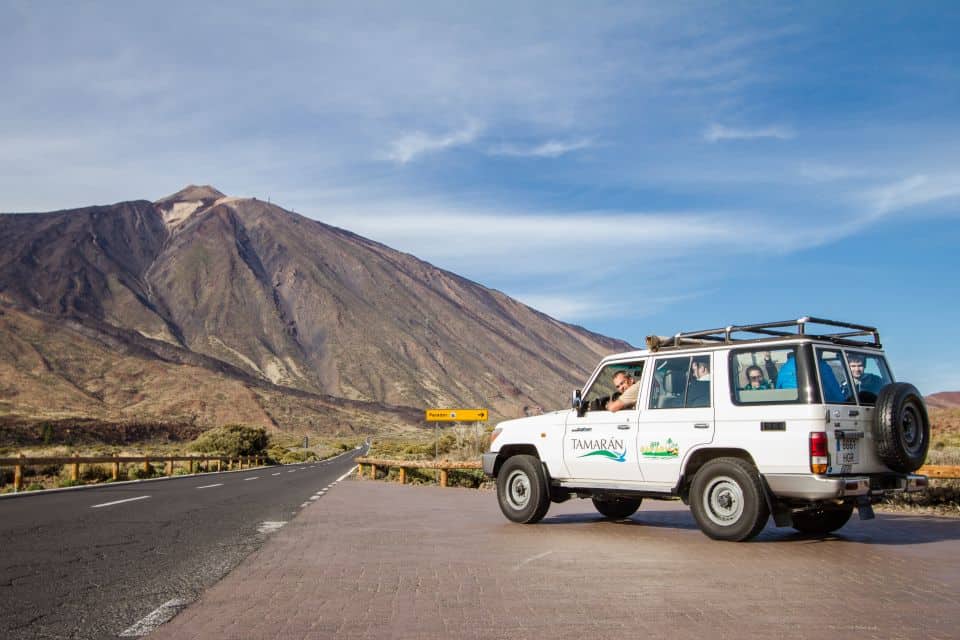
[
  {"x": 765, "y": 376},
  {"x": 605, "y": 392}
]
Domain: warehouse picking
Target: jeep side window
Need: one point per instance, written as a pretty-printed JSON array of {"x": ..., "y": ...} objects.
[
  {"x": 603, "y": 390},
  {"x": 868, "y": 374},
  {"x": 764, "y": 375},
  {"x": 680, "y": 382}
]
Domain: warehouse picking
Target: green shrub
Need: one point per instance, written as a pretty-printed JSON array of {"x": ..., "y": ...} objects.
[
  {"x": 70, "y": 483},
  {"x": 96, "y": 472},
  {"x": 137, "y": 472},
  {"x": 233, "y": 440},
  {"x": 34, "y": 486}
]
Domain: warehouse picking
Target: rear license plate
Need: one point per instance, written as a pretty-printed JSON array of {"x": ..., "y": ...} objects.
[{"x": 847, "y": 452}]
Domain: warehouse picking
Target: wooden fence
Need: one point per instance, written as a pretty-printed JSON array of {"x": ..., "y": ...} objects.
[
  {"x": 194, "y": 462},
  {"x": 444, "y": 466},
  {"x": 933, "y": 471},
  {"x": 941, "y": 472}
]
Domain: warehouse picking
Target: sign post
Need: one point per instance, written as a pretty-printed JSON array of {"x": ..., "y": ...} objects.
[{"x": 436, "y": 416}]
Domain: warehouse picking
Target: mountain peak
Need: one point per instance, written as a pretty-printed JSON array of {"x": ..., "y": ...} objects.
[
  {"x": 181, "y": 205},
  {"x": 192, "y": 193}
]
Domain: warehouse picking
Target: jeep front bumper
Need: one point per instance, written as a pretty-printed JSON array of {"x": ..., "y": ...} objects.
[{"x": 811, "y": 487}]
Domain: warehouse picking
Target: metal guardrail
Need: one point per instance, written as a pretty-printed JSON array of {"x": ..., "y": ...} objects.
[
  {"x": 940, "y": 472},
  {"x": 444, "y": 466},
  {"x": 194, "y": 462}
]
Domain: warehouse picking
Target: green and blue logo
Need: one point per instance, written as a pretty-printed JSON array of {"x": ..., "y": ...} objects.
[{"x": 612, "y": 449}]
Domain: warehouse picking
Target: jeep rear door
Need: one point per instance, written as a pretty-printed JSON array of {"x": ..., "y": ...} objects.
[
  {"x": 677, "y": 416},
  {"x": 850, "y": 407}
]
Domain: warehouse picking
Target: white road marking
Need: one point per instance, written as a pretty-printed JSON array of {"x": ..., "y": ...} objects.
[
  {"x": 210, "y": 486},
  {"x": 532, "y": 558},
  {"x": 107, "y": 504},
  {"x": 159, "y": 615},
  {"x": 270, "y": 526},
  {"x": 312, "y": 498},
  {"x": 305, "y": 504},
  {"x": 352, "y": 469},
  {"x": 292, "y": 471},
  {"x": 253, "y": 478},
  {"x": 275, "y": 474}
]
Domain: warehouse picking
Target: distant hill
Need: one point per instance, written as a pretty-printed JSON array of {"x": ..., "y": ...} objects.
[
  {"x": 210, "y": 308},
  {"x": 944, "y": 400}
]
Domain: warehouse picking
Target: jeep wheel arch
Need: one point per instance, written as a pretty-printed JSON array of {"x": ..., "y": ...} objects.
[
  {"x": 514, "y": 450},
  {"x": 700, "y": 457}
]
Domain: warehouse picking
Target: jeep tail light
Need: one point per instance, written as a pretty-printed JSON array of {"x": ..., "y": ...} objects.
[{"x": 818, "y": 452}]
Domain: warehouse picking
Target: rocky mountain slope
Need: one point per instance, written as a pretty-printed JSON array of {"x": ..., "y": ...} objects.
[{"x": 247, "y": 295}]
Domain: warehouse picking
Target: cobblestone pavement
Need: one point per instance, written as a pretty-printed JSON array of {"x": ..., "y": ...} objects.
[{"x": 378, "y": 560}]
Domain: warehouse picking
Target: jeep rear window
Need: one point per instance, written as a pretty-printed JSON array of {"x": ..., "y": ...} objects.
[
  {"x": 869, "y": 373},
  {"x": 834, "y": 381},
  {"x": 764, "y": 376}
]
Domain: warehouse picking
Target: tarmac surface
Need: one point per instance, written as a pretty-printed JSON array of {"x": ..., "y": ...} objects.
[
  {"x": 98, "y": 562},
  {"x": 379, "y": 560}
]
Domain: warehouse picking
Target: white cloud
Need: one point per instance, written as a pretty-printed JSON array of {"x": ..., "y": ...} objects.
[
  {"x": 913, "y": 191},
  {"x": 549, "y": 149},
  {"x": 718, "y": 133},
  {"x": 407, "y": 147}
]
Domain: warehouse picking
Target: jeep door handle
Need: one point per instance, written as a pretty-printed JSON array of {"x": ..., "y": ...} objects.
[
  {"x": 623, "y": 427},
  {"x": 581, "y": 429},
  {"x": 854, "y": 413},
  {"x": 701, "y": 425}
]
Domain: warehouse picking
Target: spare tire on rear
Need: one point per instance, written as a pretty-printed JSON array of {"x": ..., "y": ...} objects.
[{"x": 901, "y": 428}]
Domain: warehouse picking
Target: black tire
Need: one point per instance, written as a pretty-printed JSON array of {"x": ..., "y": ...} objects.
[
  {"x": 901, "y": 427},
  {"x": 522, "y": 490},
  {"x": 822, "y": 521},
  {"x": 727, "y": 500},
  {"x": 617, "y": 508}
]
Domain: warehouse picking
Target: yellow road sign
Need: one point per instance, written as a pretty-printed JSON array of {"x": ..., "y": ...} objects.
[{"x": 457, "y": 415}]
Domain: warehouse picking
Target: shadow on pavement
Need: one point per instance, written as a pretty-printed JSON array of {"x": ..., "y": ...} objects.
[{"x": 884, "y": 530}]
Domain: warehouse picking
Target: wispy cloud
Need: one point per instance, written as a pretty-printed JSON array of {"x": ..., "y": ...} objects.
[
  {"x": 913, "y": 191},
  {"x": 407, "y": 147},
  {"x": 718, "y": 133},
  {"x": 549, "y": 149}
]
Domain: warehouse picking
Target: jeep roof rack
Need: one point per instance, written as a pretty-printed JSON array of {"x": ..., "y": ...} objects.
[{"x": 784, "y": 330}]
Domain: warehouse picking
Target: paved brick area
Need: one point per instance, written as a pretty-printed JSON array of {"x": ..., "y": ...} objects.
[{"x": 376, "y": 560}]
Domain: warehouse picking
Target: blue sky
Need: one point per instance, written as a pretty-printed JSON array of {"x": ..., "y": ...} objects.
[{"x": 633, "y": 168}]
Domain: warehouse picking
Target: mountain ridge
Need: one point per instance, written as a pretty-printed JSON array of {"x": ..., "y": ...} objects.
[{"x": 292, "y": 302}]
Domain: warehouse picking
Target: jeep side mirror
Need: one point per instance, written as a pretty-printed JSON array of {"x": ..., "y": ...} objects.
[{"x": 578, "y": 404}]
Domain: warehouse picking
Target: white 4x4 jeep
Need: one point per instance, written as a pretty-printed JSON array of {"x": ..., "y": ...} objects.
[{"x": 739, "y": 423}]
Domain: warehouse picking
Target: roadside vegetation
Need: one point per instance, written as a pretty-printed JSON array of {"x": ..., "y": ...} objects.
[
  {"x": 457, "y": 443},
  {"x": 943, "y": 496},
  {"x": 230, "y": 440}
]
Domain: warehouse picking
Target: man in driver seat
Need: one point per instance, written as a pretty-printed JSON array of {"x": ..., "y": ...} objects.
[{"x": 629, "y": 392}]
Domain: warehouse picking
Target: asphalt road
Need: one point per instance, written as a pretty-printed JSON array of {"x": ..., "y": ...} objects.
[{"x": 95, "y": 563}]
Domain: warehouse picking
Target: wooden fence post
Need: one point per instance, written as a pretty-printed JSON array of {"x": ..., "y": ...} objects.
[
  {"x": 219, "y": 464},
  {"x": 18, "y": 475},
  {"x": 191, "y": 464},
  {"x": 403, "y": 475},
  {"x": 443, "y": 477},
  {"x": 146, "y": 466},
  {"x": 169, "y": 466},
  {"x": 75, "y": 472},
  {"x": 116, "y": 467},
  {"x": 373, "y": 472}
]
